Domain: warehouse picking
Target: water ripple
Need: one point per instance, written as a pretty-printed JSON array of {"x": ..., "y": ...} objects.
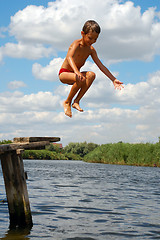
[{"x": 73, "y": 200}]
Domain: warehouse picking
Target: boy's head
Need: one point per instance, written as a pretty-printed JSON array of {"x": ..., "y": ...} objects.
[{"x": 91, "y": 26}]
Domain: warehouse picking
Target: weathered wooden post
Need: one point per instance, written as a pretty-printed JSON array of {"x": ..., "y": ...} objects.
[
  {"x": 16, "y": 190},
  {"x": 15, "y": 180}
]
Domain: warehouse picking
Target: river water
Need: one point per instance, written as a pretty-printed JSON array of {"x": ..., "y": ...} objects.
[{"x": 74, "y": 200}]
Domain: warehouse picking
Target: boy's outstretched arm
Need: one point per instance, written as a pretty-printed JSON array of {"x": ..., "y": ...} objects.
[{"x": 117, "y": 84}]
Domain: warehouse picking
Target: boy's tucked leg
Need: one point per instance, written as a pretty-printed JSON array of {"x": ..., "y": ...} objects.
[
  {"x": 83, "y": 86},
  {"x": 69, "y": 78},
  {"x": 67, "y": 109},
  {"x": 76, "y": 106},
  {"x": 90, "y": 76}
]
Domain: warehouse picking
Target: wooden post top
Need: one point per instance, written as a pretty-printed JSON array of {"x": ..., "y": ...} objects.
[
  {"x": 35, "y": 139},
  {"x": 27, "y": 143}
]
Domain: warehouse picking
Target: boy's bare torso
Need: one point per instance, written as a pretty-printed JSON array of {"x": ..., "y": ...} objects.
[{"x": 80, "y": 53}]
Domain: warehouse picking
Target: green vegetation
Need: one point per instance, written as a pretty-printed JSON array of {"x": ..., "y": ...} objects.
[
  {"x": 73, "y": 151},
  {"x": 5, "y": 142},
  {"x": 49, "y": 155},
  {"x": 80, "y": 149},
  {"x": 127, "y": 154},
  {"x": 141, "y": 154}
]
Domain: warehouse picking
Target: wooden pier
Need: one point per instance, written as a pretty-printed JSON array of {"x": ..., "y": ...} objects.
[{"x": 15, "y": 178}]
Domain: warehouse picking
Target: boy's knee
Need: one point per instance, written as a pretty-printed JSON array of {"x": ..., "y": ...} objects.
[{"x": 91, "y": 75}]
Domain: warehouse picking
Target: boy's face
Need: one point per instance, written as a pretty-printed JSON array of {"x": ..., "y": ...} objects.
[{"x": 89, "y": 38}]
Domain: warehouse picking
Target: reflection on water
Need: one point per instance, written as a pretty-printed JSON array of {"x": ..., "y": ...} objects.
[
  {"x": 17, "y": 235},
  {"x": 77, "y": 200}
]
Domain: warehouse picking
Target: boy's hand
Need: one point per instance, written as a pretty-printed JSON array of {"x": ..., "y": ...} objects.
[
  {"x": 80, "y": 76},
  {"x": 117, "y": 84}
]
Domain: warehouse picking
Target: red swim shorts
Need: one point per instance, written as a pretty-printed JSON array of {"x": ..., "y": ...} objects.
[{"x": 63, "y": 70}]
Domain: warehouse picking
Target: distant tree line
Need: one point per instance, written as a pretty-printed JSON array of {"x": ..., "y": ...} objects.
[
  {"x": 73, "y": 151},
  {"x": 5, "y": 142},
  {"x": 140, "y": 154},
  {"x": 80, "y": 149}
]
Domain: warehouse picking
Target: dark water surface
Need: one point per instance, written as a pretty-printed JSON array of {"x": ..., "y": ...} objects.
[{"x": 73, "y": 200}]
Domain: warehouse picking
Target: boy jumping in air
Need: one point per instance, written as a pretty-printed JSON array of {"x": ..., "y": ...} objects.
[{"x": 77, "y": 54}]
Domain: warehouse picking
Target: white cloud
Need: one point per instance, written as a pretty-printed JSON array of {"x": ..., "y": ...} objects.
[
  {"x": 17, "y": 102},
  {"x": 16, "y": 84},
  {"x": 155, "y": 79},
  {"x": 42, "y": 114},
  {"x": 2, "y": 30},
  {"x": 100, "y": 126},
  {"x": 25, "y": 50},
  {"x": 126, "y": 33},
  {"x": 130, "y": 115},
  {"x": 102, "y": 92},
  {"x": 50, "y": 72}
]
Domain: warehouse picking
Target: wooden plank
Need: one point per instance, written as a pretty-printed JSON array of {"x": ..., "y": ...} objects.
[
  {"x": 35, "y": 139},
  {"x": 15, "y": 179},
  {"x": 16, "y": 190},
  {"x": 14, "y": 146}
]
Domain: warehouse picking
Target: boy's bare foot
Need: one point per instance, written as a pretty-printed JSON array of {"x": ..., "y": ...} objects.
[
  {"x": 76, "y": 106},
  {"x": 67, "y": 109}
]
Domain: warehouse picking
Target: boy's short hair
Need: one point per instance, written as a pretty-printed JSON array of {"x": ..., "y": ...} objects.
[{"x": 91, "y": 25}]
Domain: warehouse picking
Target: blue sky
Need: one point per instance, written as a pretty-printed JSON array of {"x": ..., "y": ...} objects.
[{"x": 34, "y": 38}]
